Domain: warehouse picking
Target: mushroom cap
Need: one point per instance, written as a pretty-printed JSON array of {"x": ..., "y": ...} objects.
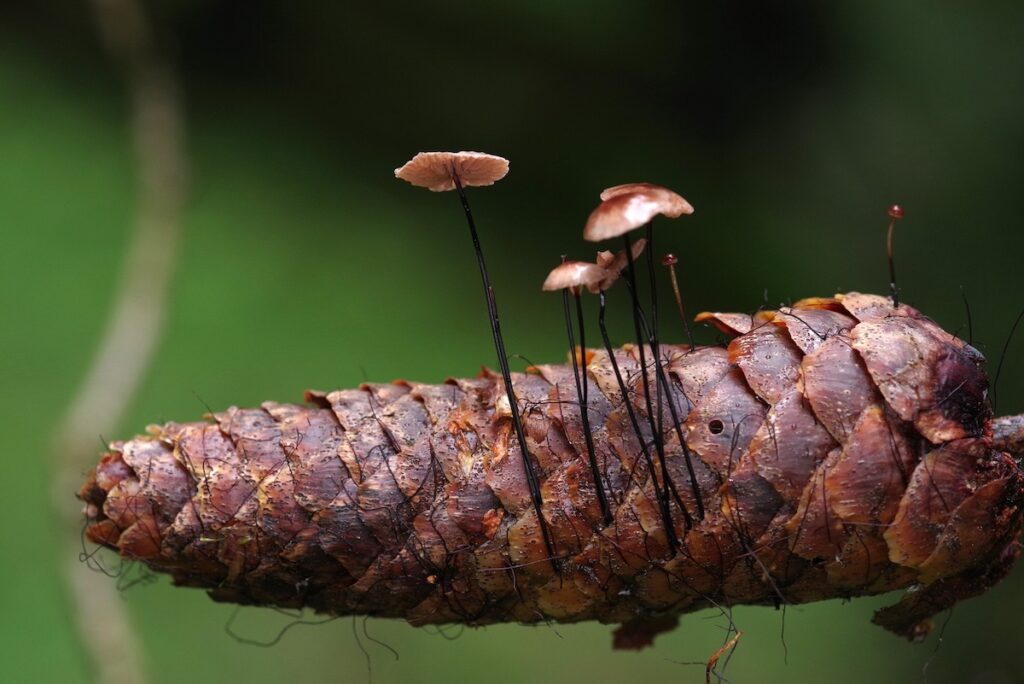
[
  {"x": 437, "y": 171},
  {"x": 675, "y": 205},
  {"x": 574, "y": 274},
  {"x": 631, "y": 208}
]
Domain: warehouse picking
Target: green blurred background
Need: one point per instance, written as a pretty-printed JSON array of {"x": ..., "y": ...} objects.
[{"x": 790, "y": 126}]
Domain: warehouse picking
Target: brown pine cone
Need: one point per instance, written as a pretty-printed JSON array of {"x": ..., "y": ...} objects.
[{"x": 841, "y": 448}]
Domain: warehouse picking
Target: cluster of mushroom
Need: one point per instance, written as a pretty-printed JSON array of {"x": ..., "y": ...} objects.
[{"x": 623, "y": 209}]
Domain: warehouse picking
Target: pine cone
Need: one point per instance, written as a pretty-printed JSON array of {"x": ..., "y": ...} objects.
[{"x": 841, "y": 448}]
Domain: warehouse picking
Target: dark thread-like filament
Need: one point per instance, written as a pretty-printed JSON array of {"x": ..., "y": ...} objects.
[
  {"x": 659, "y": 446},
  {"x": 506, "y": 374},
  {"x": 659, "y": 494},
  {"x": 582, "y": 395}
]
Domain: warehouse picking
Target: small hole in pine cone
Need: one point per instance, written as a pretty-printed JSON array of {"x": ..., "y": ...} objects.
[{"x": 716, "y": 426}]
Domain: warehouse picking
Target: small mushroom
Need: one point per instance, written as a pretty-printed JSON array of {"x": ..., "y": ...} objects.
[
  {"x": 676, "y": 206},
  {"x": 573, "y": 275},
  {"x": 626, "y": 207},
  {"x": 895, "y": 214},
  {"x": 440, "y": 171},
  {"x": 623, "y": 209},
  {"x": 669, "y": 261},
  {"x": 570, "y": 277}
]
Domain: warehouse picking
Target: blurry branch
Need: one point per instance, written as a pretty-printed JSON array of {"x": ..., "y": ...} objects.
[{"x": 134, "y": 329}]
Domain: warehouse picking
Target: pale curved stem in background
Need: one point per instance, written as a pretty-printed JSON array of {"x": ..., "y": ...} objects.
[{"x": 133, "y": 331}]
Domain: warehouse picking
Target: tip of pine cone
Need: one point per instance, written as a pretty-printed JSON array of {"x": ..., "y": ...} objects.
[
  {"x": 100, "y": 529},
  {"x": 91, "y": 492}
]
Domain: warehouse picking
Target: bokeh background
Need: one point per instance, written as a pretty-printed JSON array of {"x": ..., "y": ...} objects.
[{"x": 790, "y": 126}]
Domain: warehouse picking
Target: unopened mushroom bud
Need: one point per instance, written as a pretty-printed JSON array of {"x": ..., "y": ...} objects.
[
  {"x": 895, "y": 214},
  {"x": 670, "y": 261}
]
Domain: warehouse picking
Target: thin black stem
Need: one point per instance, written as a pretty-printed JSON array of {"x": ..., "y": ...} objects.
[
  {"x": 658, "y": 443},
  {"x": 1002, "y": 358},
  {"x": 653, "y": 339},
  {"x": 506, "y": 374},
  {"x": 662, "y": 384},
  {"x": 662, "y": 379},
  {"x": 694, "y": 486},
  {"x": 662, "y": 498},
  {"x": 687, "y": 457},
  {"x": 892, "y": 263},
  {"x": 581, "y": 395}
]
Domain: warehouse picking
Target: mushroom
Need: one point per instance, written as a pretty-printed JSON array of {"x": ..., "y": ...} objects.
[
  {"x": 440, "y": 171},
  {"x": 623, "y": 209},
  {"x": 571, "y": 277},
  {"x": 895, "y": 214},
  {"x": 626, "y": 207},
  {"x": 675, "y": 205},
  {"x": 613, "y": 265},
  {"x": 670, "y": 261}
]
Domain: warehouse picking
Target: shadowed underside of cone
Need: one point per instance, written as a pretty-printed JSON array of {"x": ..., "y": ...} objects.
[{"x": 842, "y": 448}]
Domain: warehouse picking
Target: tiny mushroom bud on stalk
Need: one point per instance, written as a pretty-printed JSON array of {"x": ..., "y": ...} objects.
[
  {"x": 440, "y": 171},
  {"x": 895, "y": 214},
  {"x": 670, "y": 261},
  {"x": 570, "y": 276},
  {"x": 623, "y": 209}
]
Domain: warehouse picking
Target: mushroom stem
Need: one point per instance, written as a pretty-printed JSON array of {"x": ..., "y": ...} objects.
[
  {"x": 662, "y": 380},
  {"x": 652, "y": 337},
  {"x": 506, "y": 374},
  {"x": 670, "y": 260},
  {"x": 663, "y": 384},
  {"x": 659, "y": 445},
  {"x": 687, "y": 457},
  {"x": 581, "y": 395},
  {"x": 895, "y": 214},
  {"x": 659, "y": 494}
]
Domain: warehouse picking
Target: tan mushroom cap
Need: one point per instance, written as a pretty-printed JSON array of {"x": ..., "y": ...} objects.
[
  {"x": 437, "y": 171},
  {"x": 631, "y": 208},
  {"x": 574, "y": 274},
  {"x": 615, "y": 264},
  {"x": 675, "y": 205}
]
